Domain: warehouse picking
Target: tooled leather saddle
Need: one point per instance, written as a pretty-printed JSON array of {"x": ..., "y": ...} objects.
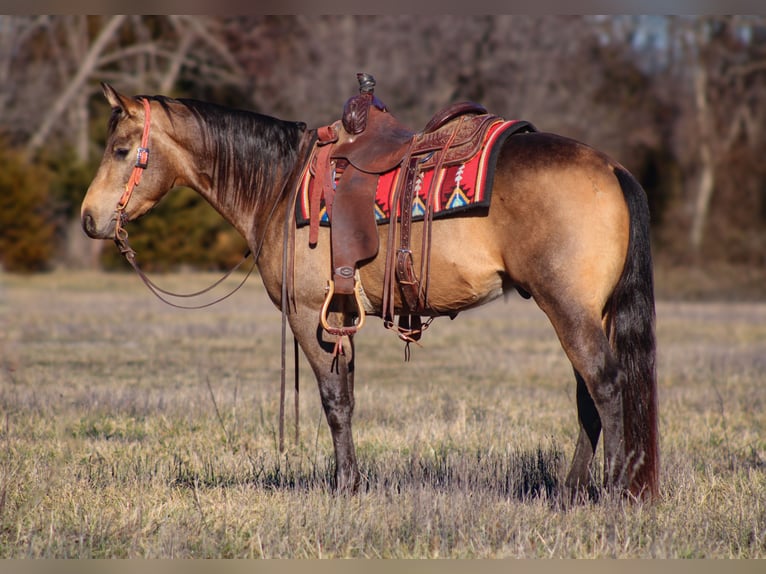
[{"x": 349, "y": 157}]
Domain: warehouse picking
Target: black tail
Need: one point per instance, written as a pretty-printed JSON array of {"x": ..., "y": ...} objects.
[{"x": 631, "y": 320}]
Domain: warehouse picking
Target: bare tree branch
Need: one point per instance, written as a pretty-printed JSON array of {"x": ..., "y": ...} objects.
[
  {"x": 177, "y": 59},
  {"x": 83, "y": 73},
  {"x": 202, "y": 27},
  {"x": 147, "y": 48},
  {"x": 748, "y": 68}
]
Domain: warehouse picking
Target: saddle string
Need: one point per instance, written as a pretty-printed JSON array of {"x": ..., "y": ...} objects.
[
  {"x": 436, "y": 183},
  {"x": 389, "y": 309},
  {"x": 405, "y": 329}
]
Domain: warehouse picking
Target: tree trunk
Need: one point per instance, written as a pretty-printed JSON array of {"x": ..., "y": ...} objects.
[{"x": 707, "y": 161}]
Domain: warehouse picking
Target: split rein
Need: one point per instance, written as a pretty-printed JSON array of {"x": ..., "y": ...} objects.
[
  {"x": 130, "y": 256},
  {"x": 121, "y": 234}
]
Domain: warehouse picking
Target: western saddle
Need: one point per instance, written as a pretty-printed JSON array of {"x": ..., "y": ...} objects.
[{"x": 349, "y": 157}]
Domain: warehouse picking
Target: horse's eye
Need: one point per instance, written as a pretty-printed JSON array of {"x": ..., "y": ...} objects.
[{"x": 121, "y": 152}]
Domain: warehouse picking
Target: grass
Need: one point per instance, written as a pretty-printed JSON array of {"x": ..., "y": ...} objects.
[{"x": 131, "y": 429}]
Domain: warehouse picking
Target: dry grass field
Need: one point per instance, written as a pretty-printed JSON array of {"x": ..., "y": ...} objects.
[{"x": 131, "y": 429}]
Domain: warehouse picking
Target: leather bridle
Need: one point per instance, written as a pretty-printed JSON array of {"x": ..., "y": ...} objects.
[
  {"x": 121, "y": 234},
  {"x": 142, "y": 161}
]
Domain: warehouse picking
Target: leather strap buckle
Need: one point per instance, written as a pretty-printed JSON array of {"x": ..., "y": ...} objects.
[{"x": 142, "y": 158}]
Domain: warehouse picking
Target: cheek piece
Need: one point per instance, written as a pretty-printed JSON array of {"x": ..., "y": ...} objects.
[{"x": 142, "y": 161}]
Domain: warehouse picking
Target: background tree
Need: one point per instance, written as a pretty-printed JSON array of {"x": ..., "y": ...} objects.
[
  {"x": 26, "y": 241},
  {"x": 715, "y": 78},
  {"x": 679, "y": 100}
]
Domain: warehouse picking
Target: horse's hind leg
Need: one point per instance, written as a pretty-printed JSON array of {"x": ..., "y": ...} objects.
[
  {"x": 599, "y": 393},
  {"x": 335, "y": 377},
  {"x": 603, "y": 379},
  {"x": 579, "y": 476}
]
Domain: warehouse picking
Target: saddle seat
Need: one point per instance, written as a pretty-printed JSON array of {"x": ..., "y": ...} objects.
[{"x": 384, "y": 142}]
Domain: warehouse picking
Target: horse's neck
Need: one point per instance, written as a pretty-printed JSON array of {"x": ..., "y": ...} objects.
[
  {"x": 252, "y": 217},
  {"x": 216, "y": 190}
]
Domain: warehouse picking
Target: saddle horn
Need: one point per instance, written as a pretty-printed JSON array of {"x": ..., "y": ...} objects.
[{"x": 357, "y": 107}]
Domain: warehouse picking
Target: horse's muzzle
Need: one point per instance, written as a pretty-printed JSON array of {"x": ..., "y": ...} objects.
[{"x": 91, "y": 228}]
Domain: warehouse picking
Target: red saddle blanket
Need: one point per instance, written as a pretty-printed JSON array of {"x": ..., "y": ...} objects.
[{"x": 461, "y": 187}]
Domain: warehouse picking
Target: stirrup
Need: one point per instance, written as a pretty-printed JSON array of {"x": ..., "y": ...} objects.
[{"x": 340, "y": 331}]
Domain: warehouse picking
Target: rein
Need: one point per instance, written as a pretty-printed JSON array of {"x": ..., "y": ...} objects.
[
  {"x": 130, "y": 255},
  {"x": 121, "y": 234}
]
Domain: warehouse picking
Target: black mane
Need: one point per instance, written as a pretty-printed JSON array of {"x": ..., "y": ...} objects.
[{"x": 252, "y": 153}]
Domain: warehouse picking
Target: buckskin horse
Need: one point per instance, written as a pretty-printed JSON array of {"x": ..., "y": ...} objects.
[{"x": 566, "y": 225}]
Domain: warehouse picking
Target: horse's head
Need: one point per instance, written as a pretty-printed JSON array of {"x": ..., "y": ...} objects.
[{"x": 131, "y": 179}]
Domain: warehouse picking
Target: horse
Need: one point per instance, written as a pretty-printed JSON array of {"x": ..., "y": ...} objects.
[{"x": 567, "y": 226}]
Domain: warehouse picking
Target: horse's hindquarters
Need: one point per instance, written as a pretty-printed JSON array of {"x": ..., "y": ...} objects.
[{"x": 561, "y": 218}]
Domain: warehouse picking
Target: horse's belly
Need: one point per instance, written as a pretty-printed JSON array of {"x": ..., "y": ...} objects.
[
  {"x": 465, "y": 267},
  {"x": 461, "y": 282}
]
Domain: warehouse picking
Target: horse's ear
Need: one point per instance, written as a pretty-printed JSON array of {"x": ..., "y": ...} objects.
[{"x": 115, "y": 99}]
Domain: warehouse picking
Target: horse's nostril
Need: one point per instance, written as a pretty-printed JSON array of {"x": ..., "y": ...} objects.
[{"x": 88, "y": 224}]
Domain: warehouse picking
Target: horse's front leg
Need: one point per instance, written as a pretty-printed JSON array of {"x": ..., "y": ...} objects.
[
  {"x": 334, "y": 370},
  {"x": 336, "y": 389}
]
